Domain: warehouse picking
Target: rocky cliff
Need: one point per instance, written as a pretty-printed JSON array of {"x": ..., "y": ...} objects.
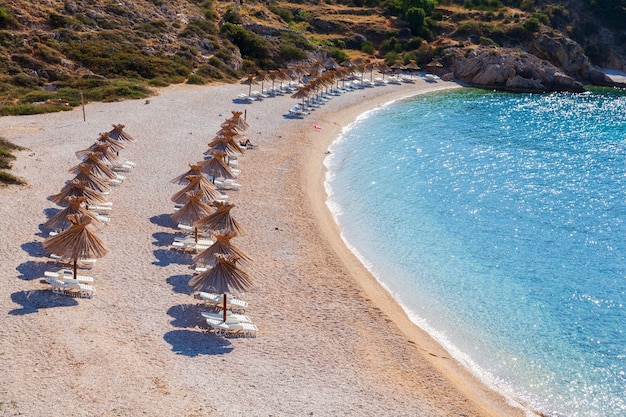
[{"x": 551, "y": 63}]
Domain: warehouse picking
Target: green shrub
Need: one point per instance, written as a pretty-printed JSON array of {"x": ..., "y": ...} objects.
[
  {"x": 24, "y": 80},
  {"x": 28, "y": 109},
  {"x": 232, "y": 16},
  {"x": 531, "y": 25},
  {"x": 216, "y": 70},
  {"x": 7, "y": 178},
  {"x": 338, "y": 54},
  {"x": 195, "y": 79},
  {"x": 414, "y": 43},
  {"x": 47, "y": 54},
  {"x": 486, "y": 41},
  {"x": 303, "y": 16},
  {"x": 291, "y": 53},
  {"x": 5, "y": 18},
  {"x": 249, "y": 43},
  {"x": 199, "y": 27},
  {"x": 388, "y": 45},
  {"x": 368, "y": 48},
  {"x": 153, "y": 27},
  {"x": 284, "y": 14},
  {"x": 61, "y": 21},
  {"x": 528, "y": 5}
]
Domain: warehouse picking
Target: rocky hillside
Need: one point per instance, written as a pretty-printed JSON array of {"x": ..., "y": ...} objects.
[{"x": 110, "y": 49}]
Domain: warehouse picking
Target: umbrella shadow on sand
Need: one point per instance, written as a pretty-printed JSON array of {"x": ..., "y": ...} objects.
[
  {"x": 187, "y": 316},
  {"x": 34, "y": 249},
  {"x": 162, "y": 239},
  {"x": 35, "y": 300},
  {"x": 43, "y": 230},
  {"x": 163, "y": 220},
  {"x": 180, "y": 284},
  {"x": 51, "y": 211},
  {"x": 30, "y": 270},
  {"x": 195, "y": 343},
  {"x": 166, "y": 257}
]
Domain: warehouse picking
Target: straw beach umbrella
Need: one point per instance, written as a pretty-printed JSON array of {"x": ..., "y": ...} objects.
[
  {"x": 222, "y": 246},
  {"x": 78, "y": 188},
  {"x": 98, "y": 168},
  {"x": 412, "y": 66},
  {"x": 220, "y": 220},
  {"x": 116, "y": 145},
  {"x": 302, "y": 93},
  {"x": 223, "y": 278},
  {"x": 194, "y": 169},
  {"x": 193, "y": 210},
  {"x": 86, "y": 173},
  {"x": 240, "y": 122},
  {"x": 76, "y": 242},
  {"x": 107, "y": 153},
  {"x": 60, "y": 221},
  {"x": 118, "y": 134},
  {"x": 216, "y": 167},
  {"x": 262, "y": 77},
  {"x": 249, "y": 80},
  {"x": 197, "y": 183}
]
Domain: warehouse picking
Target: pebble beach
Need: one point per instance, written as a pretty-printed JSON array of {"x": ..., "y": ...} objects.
[{"x": 331, "y": 341}]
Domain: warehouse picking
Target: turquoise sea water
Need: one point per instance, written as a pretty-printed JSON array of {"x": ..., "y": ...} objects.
[{"x": 499, "y": 223}]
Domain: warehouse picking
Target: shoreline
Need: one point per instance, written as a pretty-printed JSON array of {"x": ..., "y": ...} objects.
[
  {"x": 374, "y": 288},
  {"x": 324, "y": 348}
]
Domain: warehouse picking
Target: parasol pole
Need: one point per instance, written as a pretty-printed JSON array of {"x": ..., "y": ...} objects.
[
  {"x": 82, "y": 101},
  {"x": 224, "y": 307},
  {"x": 76, "y": 268}
]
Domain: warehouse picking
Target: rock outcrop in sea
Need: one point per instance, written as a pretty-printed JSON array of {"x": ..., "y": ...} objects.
[{"x": 551, "y": 63}]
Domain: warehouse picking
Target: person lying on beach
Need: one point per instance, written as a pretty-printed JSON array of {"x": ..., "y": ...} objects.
[{"x": 247, "y": 144}]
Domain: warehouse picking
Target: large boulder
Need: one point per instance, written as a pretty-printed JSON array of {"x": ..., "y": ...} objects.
[
  {"x": 508, "y": 69},
  {"x": 568, "y": 55}
]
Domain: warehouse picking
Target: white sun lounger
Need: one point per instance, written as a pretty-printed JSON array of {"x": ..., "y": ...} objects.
[
  {"x": 65, "y": 274},
  {"x": 58, "y": 287},
  {"x": 233, "y": 329},
  {"x": 82, "y": 263},
  {"x": 230, "y": 317},
  {"x": 73, "y": 287},
  {"x": 189, "y": 247},
  {"x": 191, "y": 239},
  {"x": 99, "y": 209},
  {"x": 217, "y": 301},
  {"x": 228, "y": 184}
]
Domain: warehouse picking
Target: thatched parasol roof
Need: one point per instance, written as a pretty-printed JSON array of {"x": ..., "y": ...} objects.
[
  {"x": 194, "y": 169},
  {"x": 76, "y": 242},
  {"x": 108, "y": 154},
  {"x": 197, "y": 182},
  {"x": 118, "y": 134},
  {"x": 78, "y": 188},
  {"x": 116, "y": 145},
  {"x": 224, "y": 277},
  {"x": 86, "y": 173},
  {"x": 222, "y": 246},
  {"x": 220, "y": 221},
  {"x": 96, "y": 165},
  {"x": 60, "y": 221},
  {"x": 216, "y": 167},
  {"x": 193, "y": 210}
]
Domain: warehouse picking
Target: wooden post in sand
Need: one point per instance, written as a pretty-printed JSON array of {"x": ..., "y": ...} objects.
[
  {"x": 82, "y": 102},
  {"x": 245, "y": 113}
]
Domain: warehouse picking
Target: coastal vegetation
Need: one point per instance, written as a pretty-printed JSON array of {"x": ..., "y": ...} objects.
[
  {"x": 65, "y": 52},
  {"x": 6, "y": 160}
]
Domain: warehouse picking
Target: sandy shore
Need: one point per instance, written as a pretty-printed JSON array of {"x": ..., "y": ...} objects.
[{"x": 331, "y": 341}]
